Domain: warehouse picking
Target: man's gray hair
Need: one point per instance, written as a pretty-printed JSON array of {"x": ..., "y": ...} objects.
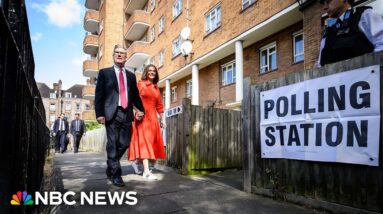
[{"x": 119, "y": 46}]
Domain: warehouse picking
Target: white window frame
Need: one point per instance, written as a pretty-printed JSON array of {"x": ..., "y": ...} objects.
[
  {"x": 161, "y": 58},
  {"x": 268, "y": 64},
  {"x": 161, "y": 25},
  {"x": 52, "y": 118},
  {"x": 174, "y": 94},
  {"x": 247, "y": 3},
  {"x": 176, "y": 46},
  {"x": 189, "y": 88},
  {"x": 152, "y": 33},
  {"x": 78, "y": 107},
  {"x": 68, "y": 95},
  {"x": 52, "y": 95},
  {"x": 225, "y": 73},
  {"x": 213, "y": 19},
  {"x": 177, "y": 8},
  {"x": 295, "y": 35},
  {"x": 68, "y": 106},
  {"x": 153, "y": 60},
  {"x": 52, "y": 107}
]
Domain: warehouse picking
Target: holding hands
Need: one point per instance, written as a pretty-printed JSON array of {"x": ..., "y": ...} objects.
[{"x": 139, "y": 115}]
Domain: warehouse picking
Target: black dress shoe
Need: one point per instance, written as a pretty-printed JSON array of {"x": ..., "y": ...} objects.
[{"x": 117, "y": 181}]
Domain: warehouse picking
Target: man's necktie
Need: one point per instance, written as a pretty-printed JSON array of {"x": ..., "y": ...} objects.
[{"x": 124, "y": 103}]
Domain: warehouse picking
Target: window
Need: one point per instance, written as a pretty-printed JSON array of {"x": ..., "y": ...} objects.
[
  {"x": 247, "y": 3},
  {"x": 52, "y": 107},
  {"x": 174, "y": 94},
  {"x": 298, "y": 46},
  {"x": 68, "y": 95},
  {"x": 52, "y": 118},
  {"x": 161, "y": 59},
  {"x": 213, "y": 19},
  {"x": 68, "y": 107},
  {"x": 52, "y": 95},
  {"x": 177, "y": 46},
  {"x": 161, "y": 25},
  {"x": 189, "y": 88},
  {"x": 177, "y": 8},
  {"x": 152, "y": 4},
  {"x": 268, "y": 58},
  {"x": 152, "y": 33},
  {"x": 87, "y": 108},
  {"x": 228, "y": 73},
  {"x": 78, "y": 108},
  {"x": 153, "y": 60}
]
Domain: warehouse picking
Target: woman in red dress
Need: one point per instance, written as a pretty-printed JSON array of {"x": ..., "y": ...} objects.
[{"x": 146, "y": 143}]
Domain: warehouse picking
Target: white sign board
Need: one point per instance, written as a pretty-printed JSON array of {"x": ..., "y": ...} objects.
[{"x": 333, "y": 119}]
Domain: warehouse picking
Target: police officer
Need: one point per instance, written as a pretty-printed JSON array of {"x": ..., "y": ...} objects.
[{"x": 356, "y": 31}]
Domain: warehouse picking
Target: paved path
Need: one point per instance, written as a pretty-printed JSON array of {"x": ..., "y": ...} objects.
[{"x": 172, "y": 193}]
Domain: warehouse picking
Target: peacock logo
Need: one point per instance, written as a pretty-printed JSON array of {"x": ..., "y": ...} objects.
[{"x": 21, "y": 198}]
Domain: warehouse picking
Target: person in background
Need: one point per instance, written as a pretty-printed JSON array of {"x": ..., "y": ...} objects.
[
  {"x": 77, "y": 129},
  {"x": 60, "y": 130},
  {"x": 357, "y": 31}
]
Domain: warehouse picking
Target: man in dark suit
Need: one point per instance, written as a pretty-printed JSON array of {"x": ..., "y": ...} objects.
[
  {"x": 116, "y": 94},
  {"x": 60, "y": 130},
  {"x": 77, "y": 129}
]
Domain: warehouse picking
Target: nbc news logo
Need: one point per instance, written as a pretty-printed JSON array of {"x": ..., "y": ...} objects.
[{"x": 21, "y": 198}]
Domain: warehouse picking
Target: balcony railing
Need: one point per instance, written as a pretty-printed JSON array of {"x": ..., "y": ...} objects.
[
  {"x": 90, "y": 44},
  {"x": 132, "y": 5},
  {"x": 90, "y": 68},
  {"x": 92, "y": 4},
  {"x": 137, "y": 25},
  {"x": 91, "y": 21},
  {"x": 89, "y": 115},
  {"x": 88, "y": 92},
  {"x": 137, "y": 54}
]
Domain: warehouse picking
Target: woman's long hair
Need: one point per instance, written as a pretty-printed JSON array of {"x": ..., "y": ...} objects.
[{"x": 145, "y": 74}]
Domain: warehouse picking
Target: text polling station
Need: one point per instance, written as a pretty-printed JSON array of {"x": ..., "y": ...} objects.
[{"x": 335, "y": 118}]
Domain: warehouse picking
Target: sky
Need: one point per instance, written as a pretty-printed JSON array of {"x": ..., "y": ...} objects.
[{"x": 57, "y": 33}]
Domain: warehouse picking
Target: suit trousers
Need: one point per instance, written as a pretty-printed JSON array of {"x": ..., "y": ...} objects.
[
  {"x": 118, "y": 132},
  {"x": 60, "y": 141},
  {"x": 76, "y": 138}
]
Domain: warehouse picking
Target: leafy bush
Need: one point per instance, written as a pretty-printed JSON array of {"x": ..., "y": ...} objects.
[{"x": 92, "y": 125}]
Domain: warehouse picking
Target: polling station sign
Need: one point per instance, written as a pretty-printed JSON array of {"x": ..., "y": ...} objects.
[{"x": 335, "y": 118}]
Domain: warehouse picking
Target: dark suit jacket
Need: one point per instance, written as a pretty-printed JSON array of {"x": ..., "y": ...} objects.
[
  {"x": 56, "y": 126},
  {"x": 107, "y": 94},
  {"x": 82, "y": 127}
]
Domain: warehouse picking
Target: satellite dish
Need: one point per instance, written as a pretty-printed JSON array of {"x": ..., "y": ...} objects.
[
  {"x": 186, "y": 47},
  {"x": 185, "y": 33}
]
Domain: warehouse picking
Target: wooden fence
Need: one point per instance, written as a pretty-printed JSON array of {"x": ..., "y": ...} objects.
[
  {"x": 202, "y": 139},
  {"x": 348, "y": 187}
]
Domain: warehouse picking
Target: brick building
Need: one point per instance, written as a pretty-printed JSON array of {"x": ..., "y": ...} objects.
[
  {"x": 70, "y": 101},
  {"x": 231, "y": 40}
]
